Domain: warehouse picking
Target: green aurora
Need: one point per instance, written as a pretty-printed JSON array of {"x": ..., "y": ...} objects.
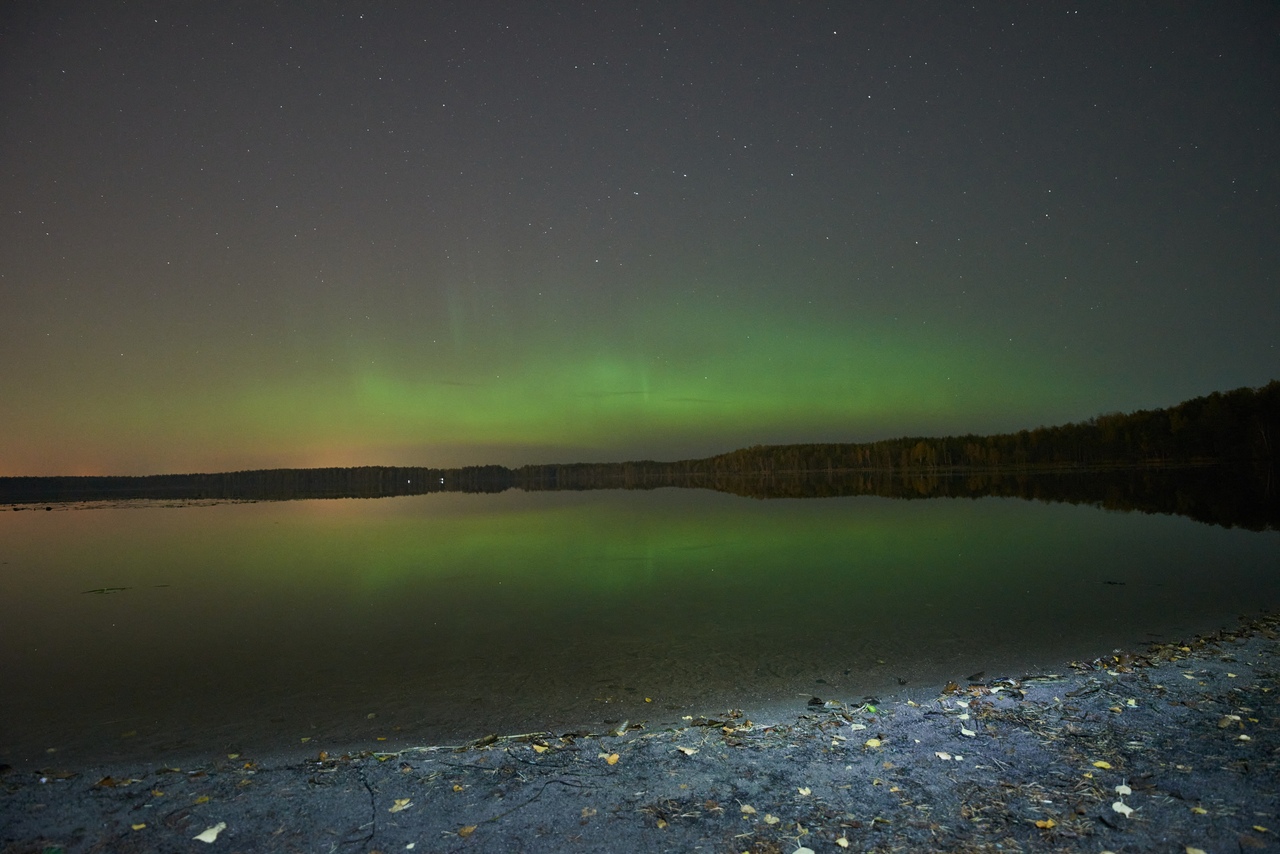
[{"x": 684, "y": 379}]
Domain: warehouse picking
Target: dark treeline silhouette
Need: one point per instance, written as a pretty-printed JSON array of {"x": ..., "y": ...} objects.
[
  {"x": 1212, "y": 458},
  {"x": 1224, "y": 427},
  {"x": 260, "y": 485}
]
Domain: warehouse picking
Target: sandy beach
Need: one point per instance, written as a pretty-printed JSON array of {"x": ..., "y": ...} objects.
[{"x": 1172, "y": 748}]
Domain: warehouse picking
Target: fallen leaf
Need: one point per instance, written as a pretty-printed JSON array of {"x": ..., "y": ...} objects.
[
  {"x": 211, "y": 833},
  {"x": 203, "y": 799},
  {"x": 1105, "y": 766},
  {"x": 612, "y": 759},
  {"x": 157, "y": 793},
  {"x": 662, "y": 824},
  {"x": 771, "y": 819},
  {"x": 466, "y": 830},
  {"x": 233, "y": 755},
  {"x": 1193, "y": 850},
  {"x": 872, "y": 742},
  {"x": 588, "y": 812},
  {"x": 842, "y": 842},
  {"x": 540, "y": 748},
  {"x": 1122, "y": 808},
  {"x": 805, "y": 790},
  {"x": 1046, "y": 823},
  {"x": 942, "y": 754},
  {"x": 967, "y": 732},
  {"x": 457, "y": 788},
  {"x": 687, "y": 751},
  {"x": 1199, "y": 810},
  {"x": 747, "y": 809},
  {"x": 1228, "y": 720},
  {"x": 400, "y": 805},
  {"x": 1260, "y": 828},
  {"x": 803, "y": 850},
  {"x": 855, "y": 727},
  {"x": 138, "y": 826},
  {"x": 1122, "y": 790},
  {"x": 1243, "y": 738}
]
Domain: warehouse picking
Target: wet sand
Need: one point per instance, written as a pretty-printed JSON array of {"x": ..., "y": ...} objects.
[{"x": 1171, "y": 748}]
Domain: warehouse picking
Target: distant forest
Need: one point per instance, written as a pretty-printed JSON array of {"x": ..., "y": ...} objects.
[
  {"x": 1147, "y": 456},
  {"x": 1224, "y": 427}
]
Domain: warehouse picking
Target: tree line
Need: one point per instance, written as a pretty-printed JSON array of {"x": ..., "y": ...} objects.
[
  {"x": 1237, "y": 429},
  {"x": 1224, "y": 427}
]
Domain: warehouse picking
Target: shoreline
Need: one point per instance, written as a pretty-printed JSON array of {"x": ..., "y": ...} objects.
[{"x": 1173, "y": 747}]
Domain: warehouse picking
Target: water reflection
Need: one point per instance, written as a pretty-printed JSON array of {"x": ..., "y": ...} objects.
[
  {"x": 1231, "y": 495},
  {"x": 253, "y": 626}
]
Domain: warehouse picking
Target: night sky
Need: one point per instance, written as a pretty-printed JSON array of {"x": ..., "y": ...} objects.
[{"x": 239, "y": 235}]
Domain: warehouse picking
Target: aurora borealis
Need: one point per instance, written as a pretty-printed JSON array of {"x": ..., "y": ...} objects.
[{"x": 237, "y": 235}]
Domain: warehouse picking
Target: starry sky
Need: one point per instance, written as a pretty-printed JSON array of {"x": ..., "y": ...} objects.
[{"x": 247, "y": 234}]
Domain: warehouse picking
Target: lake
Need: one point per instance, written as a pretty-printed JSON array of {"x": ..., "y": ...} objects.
[{"x": 153, "y": 630}]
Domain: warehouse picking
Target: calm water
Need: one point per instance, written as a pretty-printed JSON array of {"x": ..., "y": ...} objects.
[{"x": 250, "y": 627}]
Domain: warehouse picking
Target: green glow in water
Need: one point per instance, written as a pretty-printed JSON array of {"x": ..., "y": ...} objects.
[{"x": 538, "y": 603}]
